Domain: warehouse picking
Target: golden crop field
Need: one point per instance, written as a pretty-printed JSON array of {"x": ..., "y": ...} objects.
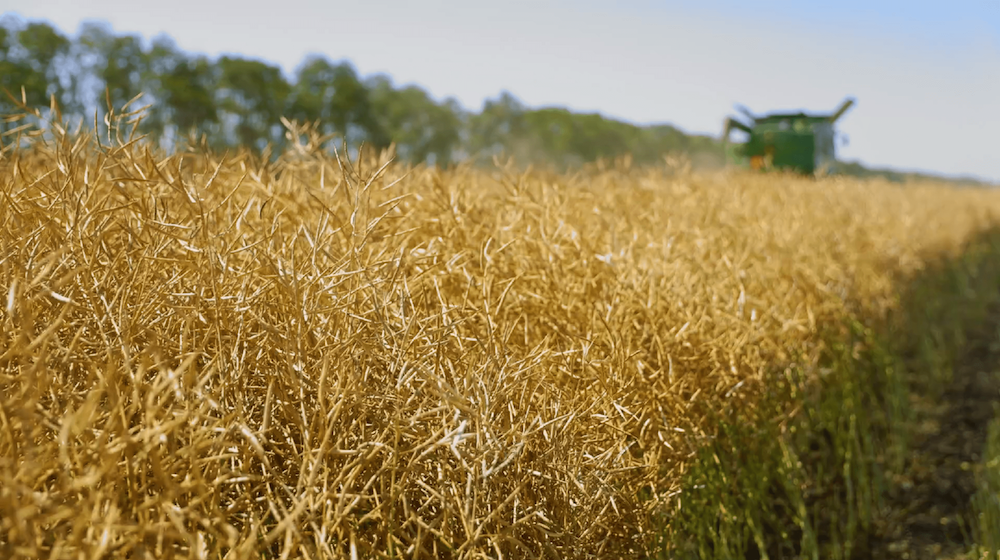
[{"x": 209, "y": 356}]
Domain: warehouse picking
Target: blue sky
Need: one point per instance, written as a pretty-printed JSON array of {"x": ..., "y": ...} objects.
[{"x": 926, "y": 74}]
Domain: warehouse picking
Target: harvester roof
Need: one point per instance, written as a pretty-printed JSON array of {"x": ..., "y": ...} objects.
[{"x": 788, "y": 116}]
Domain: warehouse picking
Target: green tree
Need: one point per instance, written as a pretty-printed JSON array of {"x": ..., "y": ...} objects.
[
  {"x": 497, "y": 128},
  {"x": 423, "y": 130},
  {"x": 334, "y": 95},
  {"x": 252, "y": 96},
  {"x": 185, "y": 89},
  {"x": 30, "y": 60},
  {"x": 45, "y": 48},
  {"x": 236, "y": 100},
  {"x": 14, "y": 73},
  {"x": 120, "y": 63}
]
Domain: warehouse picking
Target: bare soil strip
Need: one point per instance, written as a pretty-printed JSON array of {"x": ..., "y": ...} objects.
[{"x": 928, "y": 510}]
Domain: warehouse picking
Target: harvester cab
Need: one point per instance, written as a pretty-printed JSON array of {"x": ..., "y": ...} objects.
[{"x": 789, "y": 141}]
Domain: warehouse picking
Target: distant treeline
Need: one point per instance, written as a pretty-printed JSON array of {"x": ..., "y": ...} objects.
[
  {"x": 234, "y": 101},
  {"x": 856, "y": 169}
]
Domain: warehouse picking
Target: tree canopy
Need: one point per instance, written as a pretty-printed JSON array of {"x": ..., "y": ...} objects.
[{"x": 238, "y": 101}]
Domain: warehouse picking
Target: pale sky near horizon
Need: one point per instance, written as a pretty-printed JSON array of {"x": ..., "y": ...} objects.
[{"x": 926, "y": 75}]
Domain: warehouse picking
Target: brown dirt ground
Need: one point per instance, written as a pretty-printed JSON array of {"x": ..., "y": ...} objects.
[{"x": 928, "y": 510}]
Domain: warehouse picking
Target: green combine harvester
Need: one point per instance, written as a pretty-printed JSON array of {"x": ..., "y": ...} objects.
[{"x": 785, "y": 141}]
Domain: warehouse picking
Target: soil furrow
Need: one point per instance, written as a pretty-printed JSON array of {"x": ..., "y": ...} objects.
[{"x": 928, "y": 508}]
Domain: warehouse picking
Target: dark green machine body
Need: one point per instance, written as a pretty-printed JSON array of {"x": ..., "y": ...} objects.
[{"x": 785, "y": 141}]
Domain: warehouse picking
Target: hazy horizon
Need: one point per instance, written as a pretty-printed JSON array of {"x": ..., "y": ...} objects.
[{"x": 926, "y": 77}]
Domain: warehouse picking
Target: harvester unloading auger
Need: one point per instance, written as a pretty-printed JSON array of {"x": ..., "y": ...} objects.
[{"x": 792, "y": 141}]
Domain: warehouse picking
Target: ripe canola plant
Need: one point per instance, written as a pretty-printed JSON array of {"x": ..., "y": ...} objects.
[{"x": 313, "y": 356}]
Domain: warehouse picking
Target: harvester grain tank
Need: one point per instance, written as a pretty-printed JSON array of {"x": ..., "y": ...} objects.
[{"x": 791, "y": 141}]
